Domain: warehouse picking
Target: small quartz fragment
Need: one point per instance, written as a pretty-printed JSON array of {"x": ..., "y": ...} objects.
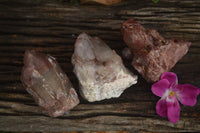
[
  {"x": 127, "y": 54},
  {"x": 48, "y": 84},
  {"x": 100, "y": 70},
  {"x": 152, "y": 54}
]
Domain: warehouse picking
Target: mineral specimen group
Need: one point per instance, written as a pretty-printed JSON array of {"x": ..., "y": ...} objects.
[
  {"x": 99, "y": 69},
  {"x": 48, "y": 84},
  {"x": 152, "y": 54}
]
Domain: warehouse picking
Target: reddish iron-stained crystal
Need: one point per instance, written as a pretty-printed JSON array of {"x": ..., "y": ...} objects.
[
  {"x": 48, "y": 84},
  {"x": 152, "y": 54}
]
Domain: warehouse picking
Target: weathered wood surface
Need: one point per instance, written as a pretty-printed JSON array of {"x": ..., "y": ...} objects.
[{"x": 52, "y": 27}]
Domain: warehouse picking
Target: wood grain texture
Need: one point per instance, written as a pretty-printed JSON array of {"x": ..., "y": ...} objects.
[{"x": 51, "y": 26}]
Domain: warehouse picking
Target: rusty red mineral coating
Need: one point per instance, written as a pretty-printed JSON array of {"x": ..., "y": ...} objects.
[
  {"x": 152, "y": 54},
  {"x": 48, "y": 84}
]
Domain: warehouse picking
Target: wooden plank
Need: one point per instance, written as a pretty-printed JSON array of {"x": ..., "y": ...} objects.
[
  {"x": 51, "y": 27},
  {"x": 93, "y": 123}
]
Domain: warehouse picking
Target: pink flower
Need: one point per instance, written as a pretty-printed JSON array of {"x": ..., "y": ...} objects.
[{"x": 171, "y": 92}]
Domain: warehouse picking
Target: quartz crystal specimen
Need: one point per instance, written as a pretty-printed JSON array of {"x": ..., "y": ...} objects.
[
  {"x": 152, "y": 54},
  {"x": 99, "y": 69},
  {"x": 48, "y": 84}
]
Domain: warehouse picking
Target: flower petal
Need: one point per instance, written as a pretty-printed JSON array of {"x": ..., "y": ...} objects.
[
  {"x": 170, "y": 76},
  {"x": 173, "y": 109},
  {"x": 160, "y": 87},
  {"x": 161, "y": 108},
  {"x": 187, "y": 94}
]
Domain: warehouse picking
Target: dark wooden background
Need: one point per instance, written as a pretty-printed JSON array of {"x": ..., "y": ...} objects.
[{"x": 51, "y": 26}]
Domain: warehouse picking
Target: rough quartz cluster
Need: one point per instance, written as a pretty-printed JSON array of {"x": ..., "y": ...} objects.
[
  {"x": 48, "y": 84},
  {"x": 99, "y": 69},
  {"x": 152, "y": 54}
]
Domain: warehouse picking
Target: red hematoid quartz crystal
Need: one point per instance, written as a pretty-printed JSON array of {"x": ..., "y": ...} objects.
[
  {"x": 152, "y": 54},
  {"x": 48, "y": 84}
]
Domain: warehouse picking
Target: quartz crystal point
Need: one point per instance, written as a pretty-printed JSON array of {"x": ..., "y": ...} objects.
[
  {"x": 152, "y": 54},
  {"x": 99, "y": 69},
  {"x": 48, "y": 84}
]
